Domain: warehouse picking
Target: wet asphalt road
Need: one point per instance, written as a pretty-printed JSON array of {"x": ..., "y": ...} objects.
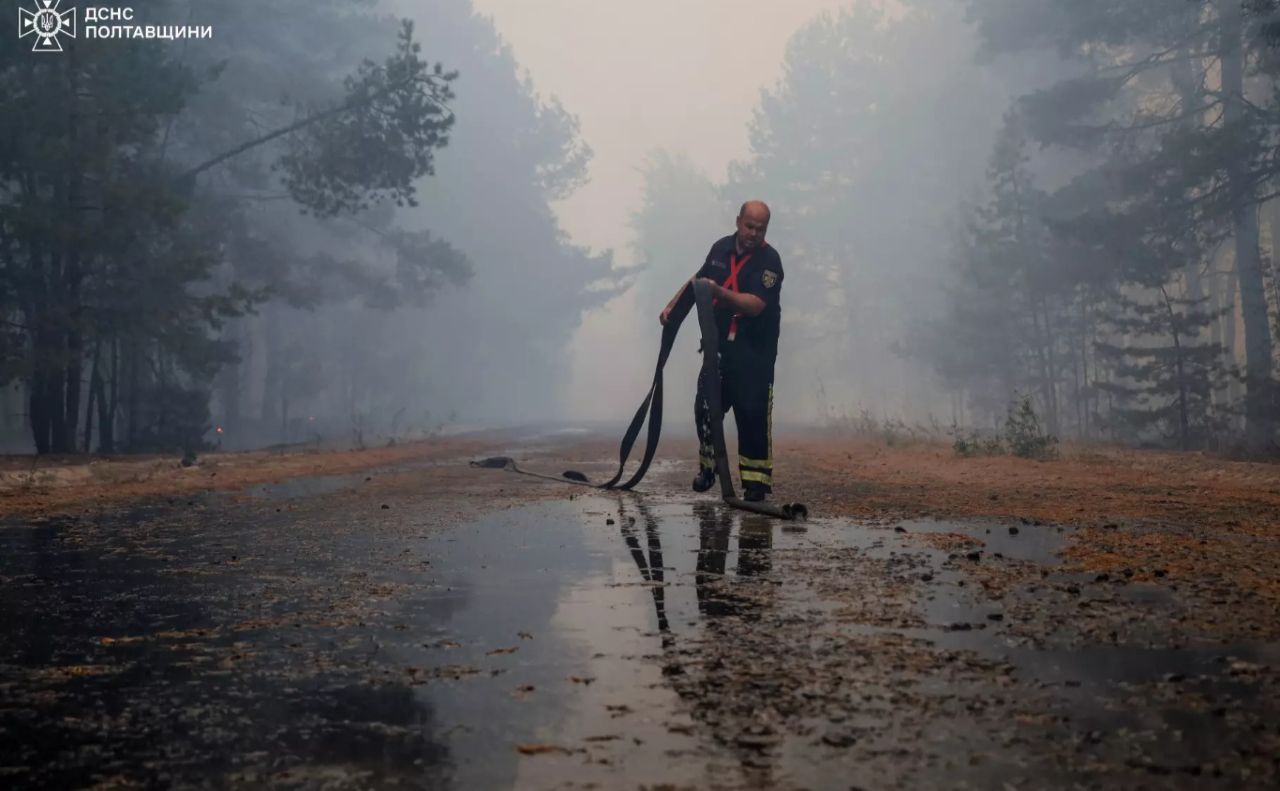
[{"x": 308, "y": 638}]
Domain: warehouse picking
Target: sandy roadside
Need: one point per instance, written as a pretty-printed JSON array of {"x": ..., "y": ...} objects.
[{"x": 32, "y": 487}]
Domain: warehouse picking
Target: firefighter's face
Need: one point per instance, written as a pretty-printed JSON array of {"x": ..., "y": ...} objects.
[{"x": 753, "y": 222}]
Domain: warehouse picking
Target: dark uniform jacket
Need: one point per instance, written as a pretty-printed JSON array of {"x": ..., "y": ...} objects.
[{"x": 761, "y": 275}]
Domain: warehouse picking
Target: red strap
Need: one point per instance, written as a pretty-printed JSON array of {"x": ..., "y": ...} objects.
[
  {"x": 731, "y": 283},
  {"x": 735, "y": 266}
]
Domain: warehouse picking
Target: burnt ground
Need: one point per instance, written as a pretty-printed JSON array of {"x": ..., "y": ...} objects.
[{"x": 395, "y": 618}]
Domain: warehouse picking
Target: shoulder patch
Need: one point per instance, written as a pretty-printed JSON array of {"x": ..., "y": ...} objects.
[{"x": 769, "y": 279}]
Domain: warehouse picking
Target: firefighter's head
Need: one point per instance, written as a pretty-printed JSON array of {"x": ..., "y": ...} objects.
[{"x": 753, "y": 223}]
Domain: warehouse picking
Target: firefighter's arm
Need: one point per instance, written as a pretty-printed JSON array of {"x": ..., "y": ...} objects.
[{"x": 744, "y": 304}]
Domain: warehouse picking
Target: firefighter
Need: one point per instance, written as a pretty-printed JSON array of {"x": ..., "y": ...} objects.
[{"x": 745, "y": 275}]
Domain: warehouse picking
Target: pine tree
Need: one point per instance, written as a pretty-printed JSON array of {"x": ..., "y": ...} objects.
[{"x": 1164, "y": 372}]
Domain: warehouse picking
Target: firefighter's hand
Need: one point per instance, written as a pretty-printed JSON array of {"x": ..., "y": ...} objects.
[
  {"x": 717, "y": 290},
  {"x": 666, "y": 314}
]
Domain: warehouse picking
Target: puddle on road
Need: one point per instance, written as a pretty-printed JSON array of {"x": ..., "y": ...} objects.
[{"x": 323, "y": 647}]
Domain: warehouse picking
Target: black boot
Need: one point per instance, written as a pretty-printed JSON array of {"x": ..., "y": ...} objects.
[
  {"x": 754, "y": 493},
  {"x": 705, "y": 480}
]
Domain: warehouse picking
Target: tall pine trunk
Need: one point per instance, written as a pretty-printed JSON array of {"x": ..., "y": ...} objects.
[
  {"x": 1272, "y": 213},
  {"x": 109, "y": 403},
  {"x": 1253, "y": 299}
]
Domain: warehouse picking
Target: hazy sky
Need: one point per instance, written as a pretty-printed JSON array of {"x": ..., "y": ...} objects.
[{"x": 684, "y": 75}]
